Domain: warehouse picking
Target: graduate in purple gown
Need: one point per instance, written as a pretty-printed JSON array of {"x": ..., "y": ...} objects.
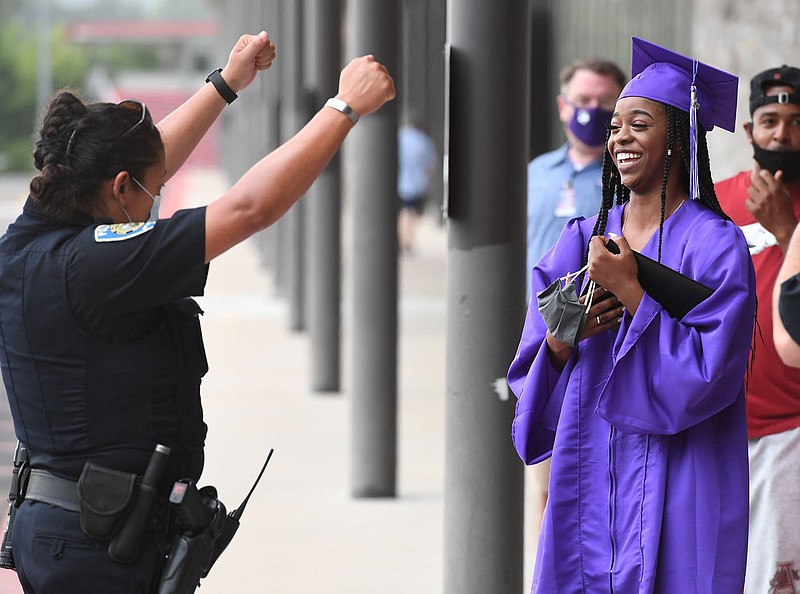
[{"x": 645, "y": 416}]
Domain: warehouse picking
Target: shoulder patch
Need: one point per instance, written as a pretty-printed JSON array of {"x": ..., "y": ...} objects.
[{"x": 121, "y": 231}]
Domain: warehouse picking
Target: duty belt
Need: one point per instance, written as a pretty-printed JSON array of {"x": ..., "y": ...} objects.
[{"x": 49, "y": 488}]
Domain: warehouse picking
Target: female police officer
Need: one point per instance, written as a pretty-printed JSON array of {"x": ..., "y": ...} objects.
[{"x": 101, "y": 350}]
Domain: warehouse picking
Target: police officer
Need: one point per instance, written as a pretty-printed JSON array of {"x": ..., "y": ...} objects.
[{"x": 101, "y": 351}]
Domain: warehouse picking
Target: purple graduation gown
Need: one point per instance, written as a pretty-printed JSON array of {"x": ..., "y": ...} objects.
[{"x": 646, "y": 426}]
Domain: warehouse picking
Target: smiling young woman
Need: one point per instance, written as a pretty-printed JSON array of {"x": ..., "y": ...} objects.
[{"x": 645, "y": 417}]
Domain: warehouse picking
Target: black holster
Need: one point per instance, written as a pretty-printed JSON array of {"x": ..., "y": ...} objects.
[
  {"x": 201, "y": 521},
  {"x": 186, "y": 563}
]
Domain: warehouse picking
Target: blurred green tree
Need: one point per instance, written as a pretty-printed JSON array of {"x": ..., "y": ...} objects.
[
  {"x": 18, "y": 117},
  {"x": 70, "y": 62}
]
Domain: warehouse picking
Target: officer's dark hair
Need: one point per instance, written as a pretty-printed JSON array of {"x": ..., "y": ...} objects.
[
  {"x": 614, "y": 192},
  {"x": 82, "y": 145}
]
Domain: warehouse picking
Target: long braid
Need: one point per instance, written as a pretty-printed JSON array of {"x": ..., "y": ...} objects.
[
  {"x": 610, "y": 187},
  {"x": 707, "y": 191},
  {"x": 623, "y": 192},
  {"x": 708, "y": 195},
  {"x": 608, "y": 177},
  {"x": 671, "y": 125}
]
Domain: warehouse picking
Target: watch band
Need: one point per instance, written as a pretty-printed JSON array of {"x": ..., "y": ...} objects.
[
  {"x": 215, "y": 78},
  {"x": 340, "y": 105}
]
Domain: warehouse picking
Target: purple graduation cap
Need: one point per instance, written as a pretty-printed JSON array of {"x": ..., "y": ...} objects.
[{"x": 707, "y": 94}]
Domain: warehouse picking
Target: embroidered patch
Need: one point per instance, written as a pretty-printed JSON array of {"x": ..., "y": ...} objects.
[{"x": 120, "y": 231}]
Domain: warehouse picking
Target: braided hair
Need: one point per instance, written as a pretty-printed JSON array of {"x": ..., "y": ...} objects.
[
  {"x": 614, "y": 193},
  {"x": 82, "y": 145}
]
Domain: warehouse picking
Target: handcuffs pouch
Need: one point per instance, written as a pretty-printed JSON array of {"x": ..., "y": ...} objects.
[{"x": 105, "y": 496}]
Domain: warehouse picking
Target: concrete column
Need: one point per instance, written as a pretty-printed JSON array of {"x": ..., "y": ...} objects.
[
  {"x": 232, "y": 149},
  {"x": 371, "y": 174},
  {"x": 293, "y": 117},
  {"x": 323, "y": 205},
  {"x": 250, "y": 126},
  {"x": 487, "y": 102}
]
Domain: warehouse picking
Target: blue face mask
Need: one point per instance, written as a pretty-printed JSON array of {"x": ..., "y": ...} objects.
[
  {"x": 156, "y": 199},
  {"x": 589, "y": 124}
]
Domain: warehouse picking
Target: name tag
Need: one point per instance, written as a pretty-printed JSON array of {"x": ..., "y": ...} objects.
[{"x": 566, "y": 207}]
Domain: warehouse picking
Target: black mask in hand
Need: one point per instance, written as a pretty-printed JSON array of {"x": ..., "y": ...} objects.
[{"x": 562, "y": 311}]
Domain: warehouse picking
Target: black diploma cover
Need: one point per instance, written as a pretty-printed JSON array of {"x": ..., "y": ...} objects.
[{"x": 677, "y": 293}]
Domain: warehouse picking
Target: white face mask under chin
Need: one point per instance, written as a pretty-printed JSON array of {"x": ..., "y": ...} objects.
[{"x": 154, "y": 209}]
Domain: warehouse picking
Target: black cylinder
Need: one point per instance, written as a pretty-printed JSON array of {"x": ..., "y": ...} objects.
[{"x": 125, "y": 545}]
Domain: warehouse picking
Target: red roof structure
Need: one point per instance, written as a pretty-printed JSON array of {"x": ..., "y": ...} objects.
[
  {"x": 161, "y": 97},
  {"x": 105, "y": 31}
]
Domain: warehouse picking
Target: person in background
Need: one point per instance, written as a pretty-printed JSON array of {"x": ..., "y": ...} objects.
[
  {"x": 565, "y": 183},
  {"x": 102, "y": 354},
  {"x": 645, "y": 416},
  {"x": 765, "y": 202},
  {"x": 416, "y": 155}
]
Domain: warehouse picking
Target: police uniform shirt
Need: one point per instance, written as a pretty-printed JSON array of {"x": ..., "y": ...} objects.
[{"x": 101, "y": 350}]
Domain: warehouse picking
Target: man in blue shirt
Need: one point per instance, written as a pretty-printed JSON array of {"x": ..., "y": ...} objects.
[{"x": 565, "y": 183}]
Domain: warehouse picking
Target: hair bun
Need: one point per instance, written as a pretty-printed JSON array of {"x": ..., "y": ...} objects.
[{"x": 63, "y": 113}]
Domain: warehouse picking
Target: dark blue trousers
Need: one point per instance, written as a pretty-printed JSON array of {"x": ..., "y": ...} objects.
[{"x": 53, "y": 555}]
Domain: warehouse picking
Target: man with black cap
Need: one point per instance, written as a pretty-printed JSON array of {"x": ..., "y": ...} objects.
[{"x": 765, "y": 203}]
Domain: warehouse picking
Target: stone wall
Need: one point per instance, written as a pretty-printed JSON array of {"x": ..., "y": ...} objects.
[{"x": 743, "y": 37}]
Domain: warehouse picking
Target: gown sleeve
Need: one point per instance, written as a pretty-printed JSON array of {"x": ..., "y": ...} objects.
[
  {"x": 539, "y": 387},
  {"x": 668, "y": 375}
]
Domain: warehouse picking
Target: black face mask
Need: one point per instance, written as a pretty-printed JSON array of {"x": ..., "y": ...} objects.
[{"x": 786, "y": 161}]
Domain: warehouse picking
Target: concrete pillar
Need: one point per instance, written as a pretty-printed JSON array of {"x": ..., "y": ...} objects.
[
  {"x": 487, "y": 140},
  {"x": 294, "y": 114},
  {"x": 324, "y": 203},
  {"x": 371, "y": 174}
]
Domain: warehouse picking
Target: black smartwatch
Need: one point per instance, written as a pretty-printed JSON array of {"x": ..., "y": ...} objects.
[{"x": 215, "y": 78}]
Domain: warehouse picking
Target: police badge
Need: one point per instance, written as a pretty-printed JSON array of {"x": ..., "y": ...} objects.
[{"x": 121, "y": 231}]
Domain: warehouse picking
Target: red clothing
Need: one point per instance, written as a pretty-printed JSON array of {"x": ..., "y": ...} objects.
[{"x": 773, "y": 390}]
